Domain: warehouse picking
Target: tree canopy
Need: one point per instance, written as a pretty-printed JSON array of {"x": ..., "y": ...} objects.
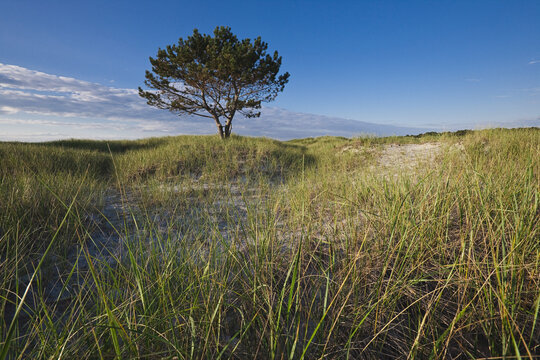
[{"x": 214, "y": 77}]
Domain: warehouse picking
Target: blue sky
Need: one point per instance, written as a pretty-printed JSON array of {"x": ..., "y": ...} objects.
[{"x": 444, "y": 64}]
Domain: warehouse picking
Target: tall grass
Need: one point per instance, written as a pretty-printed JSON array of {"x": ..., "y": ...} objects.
[{"x": 259, "y": 249}]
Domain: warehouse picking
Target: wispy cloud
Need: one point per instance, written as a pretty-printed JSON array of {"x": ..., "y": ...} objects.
[
  {"x": 67, "y": 123},
  {"x": 8, "y": 110},
  {"x": 473, "y": 80},
  {"x": 532, "y": 62},
  {"x": 534, "y": 91},
  {"x": 34, "y": 136},
  {"x": 36, "y": 92},
  {"x": 39, "y": 102}
]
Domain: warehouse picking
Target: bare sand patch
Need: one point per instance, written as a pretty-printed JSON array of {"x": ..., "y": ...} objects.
[{"x": 408, "y": 156}]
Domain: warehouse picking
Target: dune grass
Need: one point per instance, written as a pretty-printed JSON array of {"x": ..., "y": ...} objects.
[{"x": 254, "y": 248}]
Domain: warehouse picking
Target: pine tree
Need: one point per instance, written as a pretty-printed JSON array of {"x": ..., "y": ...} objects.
[{"x": 214, "y": 77}]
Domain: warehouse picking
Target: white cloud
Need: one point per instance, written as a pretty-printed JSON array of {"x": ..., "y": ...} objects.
[
  {"x": 36, "y": 92},
  {"x": 8, "y": 110},
  {"x": 532, "y": 62},
  {"x": 35, "y": 106},
  {"x": 70, "y": 107},
  {"x": 67, "y": 123},
  {"x": 34, "y": 136}
]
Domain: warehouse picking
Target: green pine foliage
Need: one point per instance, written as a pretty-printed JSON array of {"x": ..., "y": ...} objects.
[{"x": 214, "y": 77}]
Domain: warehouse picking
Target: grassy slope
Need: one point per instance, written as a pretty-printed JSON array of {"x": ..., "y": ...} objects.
[{"x": 328, "y": 255}]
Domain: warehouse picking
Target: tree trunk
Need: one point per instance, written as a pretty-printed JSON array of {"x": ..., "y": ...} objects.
[
  {"x": 219, "y": 126},
  {"x": 224, "y": 131},
  {"x": 228, "y": 128},
  {"x": 221, "y": 132}
]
